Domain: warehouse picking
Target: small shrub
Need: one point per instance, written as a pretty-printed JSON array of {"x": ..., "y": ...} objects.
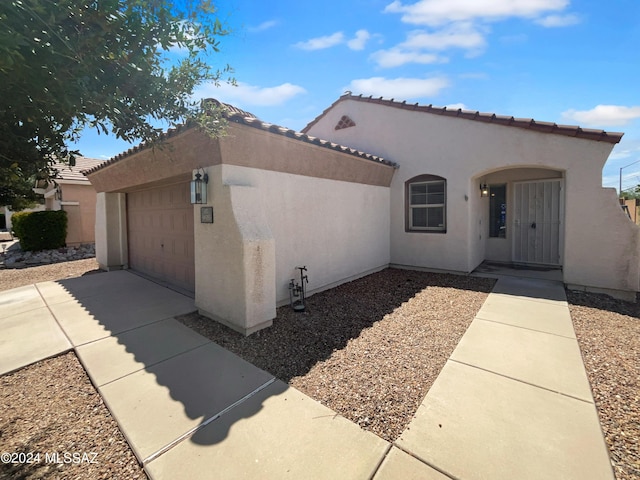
[{"x": 40, "y": 230}]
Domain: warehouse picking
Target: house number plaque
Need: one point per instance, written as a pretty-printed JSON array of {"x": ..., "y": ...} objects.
[{"x": 206, "y": 214}]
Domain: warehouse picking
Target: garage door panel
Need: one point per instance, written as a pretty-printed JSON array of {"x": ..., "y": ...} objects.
[{"x": 161, "y": 240}]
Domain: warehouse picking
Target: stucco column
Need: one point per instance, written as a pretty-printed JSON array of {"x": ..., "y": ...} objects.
[
  {"x": 111, "y": 231},
  {"x": 235, "y": 259}
]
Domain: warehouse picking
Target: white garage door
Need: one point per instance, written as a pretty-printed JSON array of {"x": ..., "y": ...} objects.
[{"x": 161, "y": 234}]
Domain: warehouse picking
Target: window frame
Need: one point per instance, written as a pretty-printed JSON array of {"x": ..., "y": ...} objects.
[
  {"x": 409, "y": 207},
  {"x": 493, "y": 231}
]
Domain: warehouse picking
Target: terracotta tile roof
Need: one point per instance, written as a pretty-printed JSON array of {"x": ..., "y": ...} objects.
[
  {"x": 526, "y": 123},
  {"x": 231, "y": 109},
  {"x": 287, "y": 132},
  {"x": 65, "y": 172},
  {"x": 236, "y": 115}
]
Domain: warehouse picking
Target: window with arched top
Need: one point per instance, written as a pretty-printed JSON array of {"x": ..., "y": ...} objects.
[{"x": 426, "y": 204}]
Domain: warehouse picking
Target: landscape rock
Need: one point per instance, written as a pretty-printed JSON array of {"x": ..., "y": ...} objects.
[{"x": 14, "y": 257}]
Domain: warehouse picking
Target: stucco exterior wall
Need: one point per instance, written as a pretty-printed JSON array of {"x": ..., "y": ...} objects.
[
  {"x": 278, "y": 203},
  {"x": 339, "y": 230},
  {"x": 111, "y": 231},
  {"x": 602, "y": 248},
  {"x": 155, "y": 166},
  {"x": 235, "y": 258},
  {"x": 633, "y": 209},
  {"x": 267, "y": 223},
  {"x": 80, "y": 203},
  {"x": 464, "y": 152}
]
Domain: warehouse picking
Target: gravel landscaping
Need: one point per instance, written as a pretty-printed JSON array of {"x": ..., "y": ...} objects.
[
  {"x": 52, "y": 415},
  {"x": 19, "y": 277},
  {"x": 369, "y": 349},
  {"x": 608, "y": 332}
]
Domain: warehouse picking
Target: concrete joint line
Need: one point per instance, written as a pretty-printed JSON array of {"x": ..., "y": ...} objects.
[
  {"x": 591, "y": 402},
  {"x": 190, "y": 432},
  {"x": 55, "y": 318},
  {"x": 435, "y": 467},
  {"x": 546, "y": 301},
  {"x": 375, "y": 470},
  {"x": 146, "y": 365},
  {"x": 115, "y": 335},
  {"x": 524, "y": 328}
]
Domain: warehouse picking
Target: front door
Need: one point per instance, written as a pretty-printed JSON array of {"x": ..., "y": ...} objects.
[{"x": 538, "y": 212}]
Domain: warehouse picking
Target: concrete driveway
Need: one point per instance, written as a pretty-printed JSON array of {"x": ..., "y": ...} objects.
[{"x": 171, "y": 389}]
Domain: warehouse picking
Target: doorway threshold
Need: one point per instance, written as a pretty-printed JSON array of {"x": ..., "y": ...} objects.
[{"x": 498, "y": 269}]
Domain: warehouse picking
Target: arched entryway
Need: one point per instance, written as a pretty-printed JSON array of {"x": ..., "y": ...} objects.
[{"x": 523, "y": 213}]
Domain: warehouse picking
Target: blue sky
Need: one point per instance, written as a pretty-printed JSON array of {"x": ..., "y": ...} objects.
[{"x": 571, "y": 62}]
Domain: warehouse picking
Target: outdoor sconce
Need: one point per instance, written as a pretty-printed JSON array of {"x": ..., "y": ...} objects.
[
  {"x": 484, "y": 190},
  {"x": 199, "y": 187}
]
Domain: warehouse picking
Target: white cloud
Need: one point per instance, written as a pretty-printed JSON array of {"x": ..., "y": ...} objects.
[
  {"x": 405, "y": 88},
  {"x": 440, "y": 12},
  {"x": 420, "y": 45},
  {"x": 552, "y": 21},
  {"x": 619, "y": 154},
  {"x": 457, "y": 106},
  {"x": 458, "y": 35},
  {"x": 250, "y": 95},
  {"x": 395, "y": 57},
  {"x": 264, "y": 26},
  {"x": 603, "y": 115},
  {"x": 359, "y": 41},
  {"x": 320, "y": 43}
]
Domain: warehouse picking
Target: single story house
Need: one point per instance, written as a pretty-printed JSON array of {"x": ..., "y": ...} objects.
[
  {"x": 368, "y": 184},
  {"x": 72, "y": 192}
]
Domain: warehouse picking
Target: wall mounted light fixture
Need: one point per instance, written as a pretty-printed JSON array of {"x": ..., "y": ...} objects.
[
  {"x": 199, "y": 186},
  {"x": 484, "y": 190}
]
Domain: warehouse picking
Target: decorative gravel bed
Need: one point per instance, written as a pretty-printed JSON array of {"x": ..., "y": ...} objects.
[
  {"x": 54, "y": 422},
  {"x": 369, "y": 349},
  {"x": 608, "y": 332},
  {"x": 19, "y": 277}
]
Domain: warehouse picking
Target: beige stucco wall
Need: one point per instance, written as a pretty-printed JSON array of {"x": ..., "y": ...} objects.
[
  {"x": 111, "y": 231},
  {"x": 278, "y": 203},
  {"x": 242, "y": 146},
  {"x": 634, "y": 210},
  {"x": 266, "y": 223},
  {"x": 600, "y": 249},
  {"x": 235, "y": 258},
  {"x": 80, "y": 203},
  {"x": 339, "y": 230}
]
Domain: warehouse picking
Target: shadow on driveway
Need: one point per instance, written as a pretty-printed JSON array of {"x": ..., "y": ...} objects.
[{"x": 165, "y": 383}]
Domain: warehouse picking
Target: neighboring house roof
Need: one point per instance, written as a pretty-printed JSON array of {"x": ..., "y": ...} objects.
[
  {"x": 68, "y": 173},
  {"x": 236, "y": 115},
  {"x": 526, "y": 123}
]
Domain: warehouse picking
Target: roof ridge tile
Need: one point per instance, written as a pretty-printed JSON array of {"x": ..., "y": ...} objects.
[{"x": 525, "y": 123}]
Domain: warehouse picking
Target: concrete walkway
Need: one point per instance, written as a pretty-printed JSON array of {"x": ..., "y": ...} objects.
[{"x": 513, "y": 400}]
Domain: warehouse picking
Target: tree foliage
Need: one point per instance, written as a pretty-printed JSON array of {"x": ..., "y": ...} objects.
[
  {"x": 631, "y": 193},
  {"x": 107, "y": 64}
]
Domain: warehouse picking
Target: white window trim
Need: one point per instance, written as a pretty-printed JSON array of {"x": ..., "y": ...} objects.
[{"x": 443, "y": 228}]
